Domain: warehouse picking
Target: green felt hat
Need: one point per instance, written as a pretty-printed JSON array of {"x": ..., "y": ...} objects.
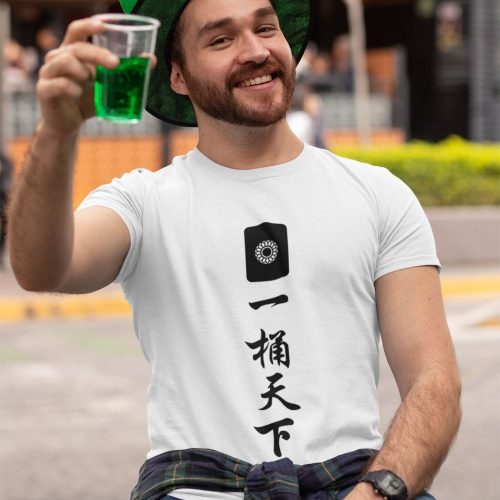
[{"x": 162, "y": 101}]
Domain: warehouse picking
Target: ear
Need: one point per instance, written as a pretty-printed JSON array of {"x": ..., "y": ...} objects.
[{"x": 177, "y": 81}]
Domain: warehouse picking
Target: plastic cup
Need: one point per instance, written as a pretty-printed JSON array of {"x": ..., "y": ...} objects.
[{"x": 120, "y": 93}]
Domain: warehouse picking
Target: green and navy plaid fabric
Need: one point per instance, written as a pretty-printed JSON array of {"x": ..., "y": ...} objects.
[{"x": 279, "y": 480}]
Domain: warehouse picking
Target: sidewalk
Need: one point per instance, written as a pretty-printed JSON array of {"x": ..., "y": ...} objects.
[{"x": 17, "y": 304}]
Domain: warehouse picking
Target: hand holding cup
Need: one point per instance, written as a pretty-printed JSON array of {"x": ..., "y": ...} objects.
[
  {"x": 65, "y": 88},
  {"x": 65, "y": 84}
]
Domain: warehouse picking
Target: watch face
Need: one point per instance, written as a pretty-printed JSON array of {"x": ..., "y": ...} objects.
[{"x": 390, "y": 484}]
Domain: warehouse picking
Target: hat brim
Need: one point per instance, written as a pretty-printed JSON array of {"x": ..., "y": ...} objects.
[{"x": 162, "y": 102}]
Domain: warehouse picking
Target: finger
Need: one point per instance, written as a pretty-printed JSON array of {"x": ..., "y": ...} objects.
[
  {"x": 87, "y": 53},
  {"x": 65, "y": 65},
  {"x": 91, "y": 72},
  {"x": 57, "y": 87},
  {"x": 153, "y": 59},
  {"x": 81, "y": 29}
]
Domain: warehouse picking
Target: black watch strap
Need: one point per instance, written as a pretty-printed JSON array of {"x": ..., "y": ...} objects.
[{"x": 387, "y": 484}]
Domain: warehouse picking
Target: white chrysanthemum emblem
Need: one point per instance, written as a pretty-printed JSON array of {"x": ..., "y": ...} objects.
[{"x": 266, "y": 252}]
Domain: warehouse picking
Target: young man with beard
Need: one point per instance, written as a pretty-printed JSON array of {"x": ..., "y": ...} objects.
[{"x": 260, "y": 271}]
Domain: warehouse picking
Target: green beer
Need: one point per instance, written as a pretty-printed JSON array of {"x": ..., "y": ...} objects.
[{"x": 119, "y": 92}]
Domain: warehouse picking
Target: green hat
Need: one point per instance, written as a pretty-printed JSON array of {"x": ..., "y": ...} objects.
[{"x": 295, "y": 22}]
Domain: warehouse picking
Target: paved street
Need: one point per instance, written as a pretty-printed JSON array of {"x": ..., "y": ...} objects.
[{"x": 72, "y": 407}]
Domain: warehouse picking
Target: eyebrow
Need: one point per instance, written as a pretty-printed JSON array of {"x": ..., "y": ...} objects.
[{"x": 227, "y": 21}]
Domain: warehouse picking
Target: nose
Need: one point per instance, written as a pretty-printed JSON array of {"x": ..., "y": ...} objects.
[{"x": 252, "y": 50}]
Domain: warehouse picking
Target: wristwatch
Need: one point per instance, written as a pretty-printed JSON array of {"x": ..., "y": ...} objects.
[{"x": 387, "y": 484}]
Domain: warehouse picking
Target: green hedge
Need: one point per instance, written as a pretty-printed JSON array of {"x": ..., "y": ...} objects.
[{"x": 452, "y": 172}]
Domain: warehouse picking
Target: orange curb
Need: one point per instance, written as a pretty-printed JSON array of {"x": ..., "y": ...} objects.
[
  {"x": 478, "y": 285},
  {"x": 45, "y": 306}
]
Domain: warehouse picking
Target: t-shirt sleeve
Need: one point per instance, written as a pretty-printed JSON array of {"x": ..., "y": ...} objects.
[
  {"x": 125, "y": 196},
  {"x": 405, "y": 235}
]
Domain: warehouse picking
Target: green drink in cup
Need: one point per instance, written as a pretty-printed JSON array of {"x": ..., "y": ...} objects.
[{"x": 120, "y": 93}]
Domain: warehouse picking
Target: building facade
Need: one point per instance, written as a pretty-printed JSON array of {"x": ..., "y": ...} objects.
[
  {"x": 485, "y": 70},
  {"x": 451, "y": 53},
  {"x": 452, "y": 59}
]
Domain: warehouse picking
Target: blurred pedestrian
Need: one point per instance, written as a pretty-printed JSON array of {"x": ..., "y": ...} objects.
[
  {"x": 46, "y": 40},
  {"x": 342, "y": 72},
  {"x": 19, "y": 66},
  {"x": 318, "y": 76},
  {"x": 304, "y": 66},
  {"x": 301, "y": 122},
  {"x": 449, "y": 26},
  {"x": 306, "y": 116}
]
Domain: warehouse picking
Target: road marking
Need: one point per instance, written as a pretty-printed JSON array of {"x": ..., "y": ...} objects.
[
  {"x": 480, "y": 285},
  {"x": 46, "y": 307},
  {"x": 40, "y": 306}
]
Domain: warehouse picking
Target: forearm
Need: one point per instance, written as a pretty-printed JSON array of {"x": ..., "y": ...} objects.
[
  {"x": 41, "y": 212},
  {"x": 422, "y": 430}
]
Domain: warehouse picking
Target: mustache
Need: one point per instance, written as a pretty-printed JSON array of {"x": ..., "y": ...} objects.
[{"x": 248, "y": 71}]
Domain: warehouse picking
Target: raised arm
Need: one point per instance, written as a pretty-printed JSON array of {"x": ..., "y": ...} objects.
[
  {"x": 50, "y": 249},
  {"x": 420, "y": 353}
]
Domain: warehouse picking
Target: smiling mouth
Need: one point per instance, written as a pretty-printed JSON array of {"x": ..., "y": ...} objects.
[{"x": 259, "y": 80}]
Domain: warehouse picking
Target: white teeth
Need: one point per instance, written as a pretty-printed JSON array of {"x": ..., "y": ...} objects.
[{"x": 256, "y": 81}]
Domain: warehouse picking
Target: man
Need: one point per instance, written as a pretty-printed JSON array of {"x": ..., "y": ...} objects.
[{"x": 259, "y": 271}]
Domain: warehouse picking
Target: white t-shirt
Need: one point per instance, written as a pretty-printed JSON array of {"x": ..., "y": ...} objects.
[{"x": 254, "y": 300}]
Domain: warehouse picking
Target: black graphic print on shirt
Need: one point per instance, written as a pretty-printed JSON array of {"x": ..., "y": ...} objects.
[
  {"x": 266, "y": 250},
  {"x": 280, "y": 299}
]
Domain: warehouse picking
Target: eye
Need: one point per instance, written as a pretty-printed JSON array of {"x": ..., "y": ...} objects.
[
  {"x": 220, "y": 41},
  {"x": 266, "y": 29}
]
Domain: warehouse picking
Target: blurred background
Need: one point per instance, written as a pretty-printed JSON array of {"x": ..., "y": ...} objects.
[{"x": 412, "y": 85}]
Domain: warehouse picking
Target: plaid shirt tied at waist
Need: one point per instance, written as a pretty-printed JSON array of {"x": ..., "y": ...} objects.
[{"x": 279, "y": 480}]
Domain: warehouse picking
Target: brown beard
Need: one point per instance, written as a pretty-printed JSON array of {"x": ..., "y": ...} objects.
[{"x": 222, "y": 104}]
